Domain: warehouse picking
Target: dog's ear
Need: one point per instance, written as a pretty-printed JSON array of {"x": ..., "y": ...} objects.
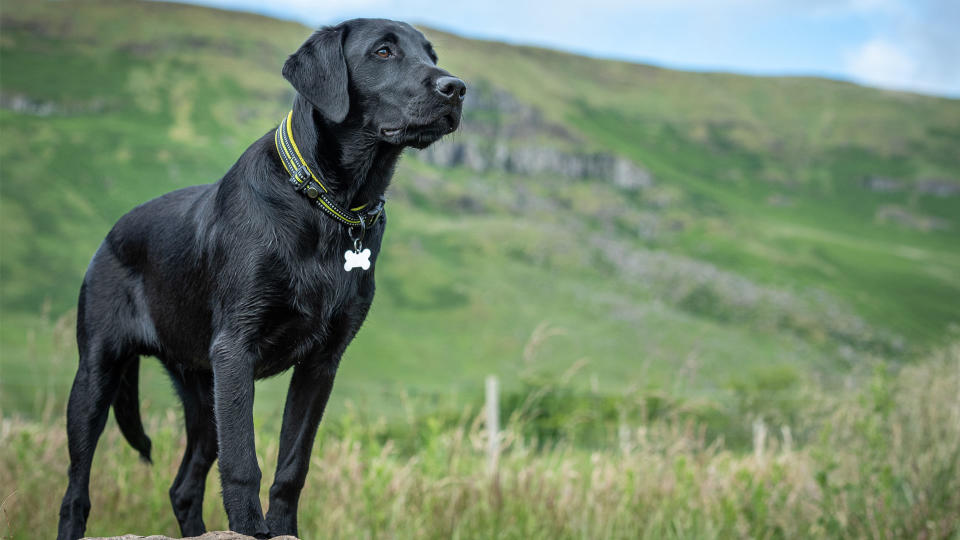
[{"x": 318, "y": 71}]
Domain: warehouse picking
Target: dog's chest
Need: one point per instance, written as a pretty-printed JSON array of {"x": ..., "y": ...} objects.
[
  {"x": 312, "y": 305},
  {"x": 314, "y": 319}
]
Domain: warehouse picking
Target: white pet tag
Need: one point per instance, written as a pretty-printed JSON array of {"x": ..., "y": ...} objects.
[{"x": 356, "y": 259}]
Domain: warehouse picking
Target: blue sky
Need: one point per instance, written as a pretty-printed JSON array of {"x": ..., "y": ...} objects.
[{"x": 897, "y": 44}]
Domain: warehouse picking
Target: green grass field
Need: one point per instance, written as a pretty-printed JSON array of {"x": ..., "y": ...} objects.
[
  {"x": 762, "y": 272},
  {"x": 880, "y": 462}
]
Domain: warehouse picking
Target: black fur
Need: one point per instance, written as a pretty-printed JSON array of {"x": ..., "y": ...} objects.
[{"x": 242, "y": 279}]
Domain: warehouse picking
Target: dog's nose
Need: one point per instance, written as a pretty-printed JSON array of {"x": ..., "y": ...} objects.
[{"x": 451, "y": 88}]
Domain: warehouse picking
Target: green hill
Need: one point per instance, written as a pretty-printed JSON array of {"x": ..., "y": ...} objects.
[{"x": 678, "y": 231}]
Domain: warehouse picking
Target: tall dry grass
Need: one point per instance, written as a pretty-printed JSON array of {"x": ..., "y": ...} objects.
[{"x": 883, "y": 462}]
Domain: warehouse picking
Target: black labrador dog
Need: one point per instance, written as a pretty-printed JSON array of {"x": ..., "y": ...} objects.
[{"x": 230, "y": 282}]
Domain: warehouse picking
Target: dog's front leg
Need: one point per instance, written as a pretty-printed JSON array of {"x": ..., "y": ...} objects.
[
  {"x": 233, "y": 366},
  {"x": 310, "y": 388}
]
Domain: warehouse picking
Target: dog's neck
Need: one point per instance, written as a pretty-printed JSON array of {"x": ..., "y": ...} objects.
[{"x": 349, "y": 158}]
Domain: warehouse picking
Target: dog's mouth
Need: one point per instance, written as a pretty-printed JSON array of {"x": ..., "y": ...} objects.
[
  {"x": 453, "y": 122},
  {"x": 422, "y": 134}
]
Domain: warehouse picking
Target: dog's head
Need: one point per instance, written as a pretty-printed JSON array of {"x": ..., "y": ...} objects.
[{"x": 385, "y": 74}]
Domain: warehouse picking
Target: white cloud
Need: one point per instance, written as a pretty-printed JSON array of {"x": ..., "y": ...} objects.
[
  {"x": 916, "y": 49},
  {"x": 881, "y": 63},
  {"x": 873, "y": 6},
  {"x": 301, "y": 9},
  {"x": 902, "y": 44}
]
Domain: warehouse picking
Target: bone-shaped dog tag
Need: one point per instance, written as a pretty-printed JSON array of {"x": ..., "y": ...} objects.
[{"x": 356, "y": 259}]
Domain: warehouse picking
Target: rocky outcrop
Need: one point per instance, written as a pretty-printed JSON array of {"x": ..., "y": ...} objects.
[
  {"x": 909, "y": 219},
  {"x": 531, "y": 160},
  {"x": 936, "y": 187},
  {"x": 883, "y": 184},
  {"x": 215, "y": 535},
  {"x": 26, "y": 105},
  {"x": 501, "y": 134}
]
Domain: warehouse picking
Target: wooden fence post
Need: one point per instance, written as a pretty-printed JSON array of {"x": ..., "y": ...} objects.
[{"x": 493, "y": 422}]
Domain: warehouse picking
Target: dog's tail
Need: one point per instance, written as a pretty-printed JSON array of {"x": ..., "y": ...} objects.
[{"x": 126, "y": 409}]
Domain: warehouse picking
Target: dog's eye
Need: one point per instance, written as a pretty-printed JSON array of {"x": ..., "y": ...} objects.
[{"x": 384, "y": 52}]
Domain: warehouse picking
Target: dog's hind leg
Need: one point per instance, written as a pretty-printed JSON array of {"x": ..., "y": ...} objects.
[
  {"x": 186, "y": 494},
  {"x": 94, "y": 388},
  {"x": 113, "y": 327}
]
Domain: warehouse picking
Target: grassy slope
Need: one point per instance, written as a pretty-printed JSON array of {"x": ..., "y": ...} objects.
[
  {"x": 173, "y": 95},
  {"x": 731, "y": 142}
]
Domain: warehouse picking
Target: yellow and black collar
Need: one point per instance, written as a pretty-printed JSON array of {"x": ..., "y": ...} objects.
[{"x": 307, "y": 183}]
